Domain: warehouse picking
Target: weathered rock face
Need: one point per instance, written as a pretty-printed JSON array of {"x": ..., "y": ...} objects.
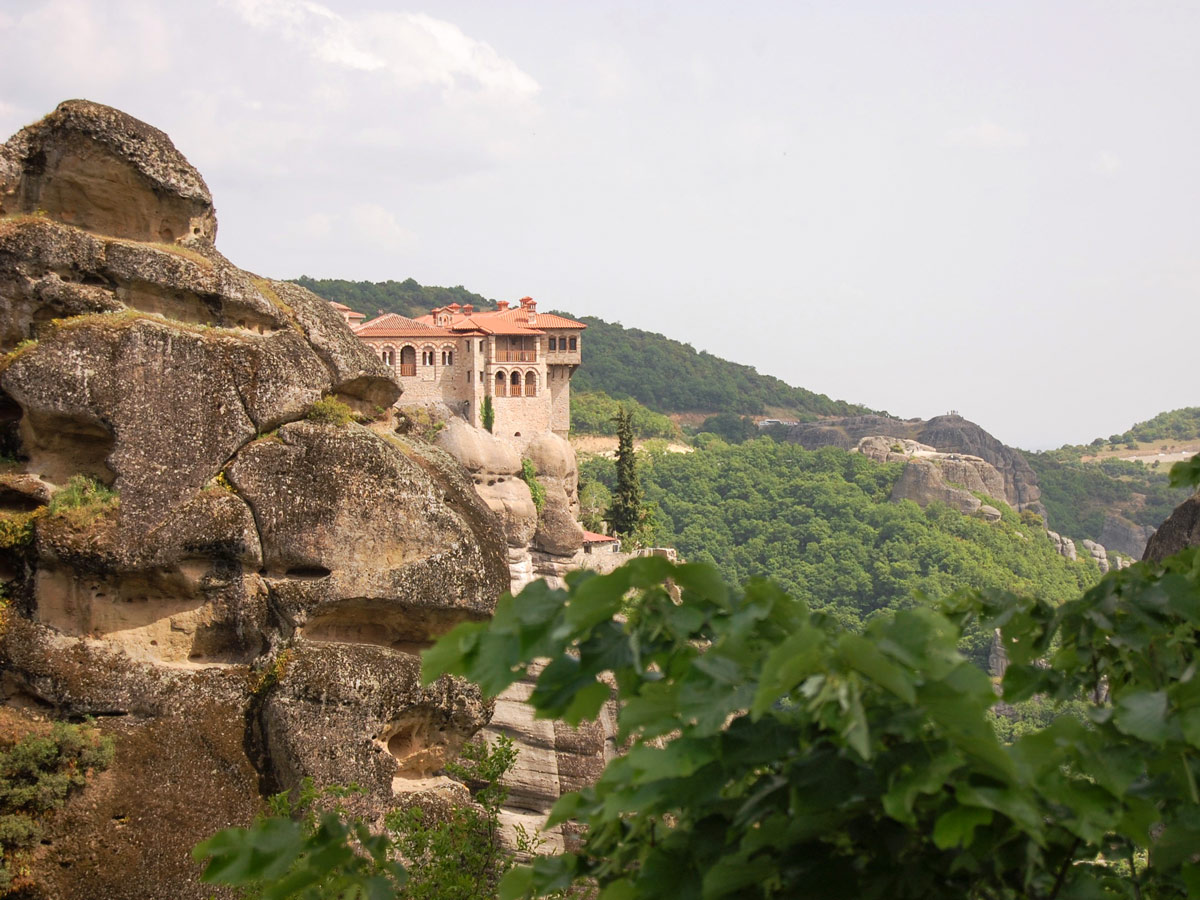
[
  {"x": 923, "y": 482},
  {"x": 950, "y": 478},
  {"x": 252, "y": 596},
  {"x": 1181, "y": 530},
  {"x": 98, "y": 169},
  {"x": 1063, "y": 545},
  {"x": 1125, "y": 537},
  {"x": 558, "y": 532},
  {"x": 947, "y": 434}
]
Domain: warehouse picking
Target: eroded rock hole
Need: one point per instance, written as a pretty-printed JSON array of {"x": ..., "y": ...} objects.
[
  {"x": 419, "y": 747},
  {"x": 59, "y": 445},
  {"x": 381, "y": 623},
  {"x": 308, "y": 572}
]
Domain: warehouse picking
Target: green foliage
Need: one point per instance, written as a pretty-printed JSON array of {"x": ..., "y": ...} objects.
[
  {"x": 487, "y": 412},
  {"x": 16, "y": 528},
  {"x": 312, "y": 849},
  {"x": 1079, "y": 495},
  {"x": 408, "y": 298},
  {"x": 594, "y": 501},
  {"x": 734, "y": 429},
  {"x": 330, "y": 411},
  {"x": 1176, "y": 425},
  {"x": 669, "y": 376},
  {"x": 37, "y": 774},
  {"x": 81, "y": 501},
  {"x": 536, "y": 490},
  {"x": 1186, "y": 474},
  {"x": 458, "y": 855},
  {"x": 820, "y": 523},
  {"x": 626, "y": 510},
  {"x": 773, "y": 754},
  {"x": 595, "y": 412}
]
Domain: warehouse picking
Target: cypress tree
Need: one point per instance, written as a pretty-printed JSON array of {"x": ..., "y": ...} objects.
[
  {"x": 487, "y": 412},
  {"x": 626, "y": 510}
]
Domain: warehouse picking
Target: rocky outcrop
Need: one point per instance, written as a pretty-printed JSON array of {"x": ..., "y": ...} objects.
[
  {"x": 558, "y": 532},
  {"x": 1125, "y": 537},
  {"x": 1063, "y": 545},
  {"x": 947, "y": 434},
  {"x": 99, "y": 169},
  {"x": 923, "y": 482},
  {"x": 242, "y": 578},
  {"x": 932, "y": 476},
  {"x": 1180, "y": 531}
]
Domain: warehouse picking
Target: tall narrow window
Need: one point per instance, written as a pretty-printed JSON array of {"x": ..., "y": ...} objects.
[
  {"x": 574, "y": 343},
  {"x": 501, "y": 385},
  {"x": 515, "y": 384},
  {"x": 553, "y": 344},
  {"x": 530, "y": 384}
]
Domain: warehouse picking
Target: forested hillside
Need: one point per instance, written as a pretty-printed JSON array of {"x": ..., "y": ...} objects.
[
  {"x": 821, "y": 524},
  {"x": 1078, "y": 495},
  {"x": 1175, "y": 425},
  {"x": 670, "y": 376}
]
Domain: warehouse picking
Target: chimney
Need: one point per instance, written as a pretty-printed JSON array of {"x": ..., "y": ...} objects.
[
  {"x": 526, "y": 302},
  {"x": 468, "y": 308},
  {"x": 501, "y": 305}
]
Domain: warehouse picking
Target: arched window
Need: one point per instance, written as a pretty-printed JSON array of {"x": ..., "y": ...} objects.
[
  {"x": 427, "y": 356},
  {"x": 447, "y": 356},
  {"x": 501, "y": 385},
  {"x": 408, "y": 361},
  {"x": 515, "y": 382},
  {"x": 531, "y": 384},
  {"x": 388, "y": 356}
]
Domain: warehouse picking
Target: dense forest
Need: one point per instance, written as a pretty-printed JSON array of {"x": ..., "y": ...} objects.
[
  {"x": 595, "y": 412},
  {"x": 1078, "y": 495},
  {"x": 405, "y": 297},
  {"x": 670, "y": 376},
  {"x": 820, "y": 523}
]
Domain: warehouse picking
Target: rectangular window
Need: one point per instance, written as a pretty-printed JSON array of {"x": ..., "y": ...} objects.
[
  {"x": 553, "y": 344},
  {"x": 574, "y": 343}
]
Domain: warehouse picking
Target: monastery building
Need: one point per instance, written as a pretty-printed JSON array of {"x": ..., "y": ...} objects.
[{"x": 456, "y": 355}]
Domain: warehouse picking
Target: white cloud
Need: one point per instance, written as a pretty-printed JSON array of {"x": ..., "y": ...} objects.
[
  {"x": 987, "y": 135},
  {"x": 375, "y": 225},
  {"x": 1106, "y": 163},
  {"x": 413, "y": 49}
]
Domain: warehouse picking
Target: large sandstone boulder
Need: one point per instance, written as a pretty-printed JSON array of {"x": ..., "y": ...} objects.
[
  {"x": 242, "y": 578},
  {"x": 1180, "y": 531},
  {"x": 495, "y": 467},
  {"x": 923, "y": 483},
  {"x": 99, "y": 169},
  {"x": 553, "y": 458}
]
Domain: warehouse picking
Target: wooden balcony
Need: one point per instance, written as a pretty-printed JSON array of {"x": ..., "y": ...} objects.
[
  {"x": 512, "y": 356},
  {"x": 406, "y": 369}
]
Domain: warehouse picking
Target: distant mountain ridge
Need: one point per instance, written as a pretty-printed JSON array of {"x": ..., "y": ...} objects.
[{"x": 665, "y": 375}]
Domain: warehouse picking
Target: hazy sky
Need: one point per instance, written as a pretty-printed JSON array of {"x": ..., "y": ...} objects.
[{"x": 992, "y": 207}]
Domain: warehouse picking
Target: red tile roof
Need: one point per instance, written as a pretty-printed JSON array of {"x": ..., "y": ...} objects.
[
  {"x": 592, "y": 537},
  {"x": 396, "y": 325}
]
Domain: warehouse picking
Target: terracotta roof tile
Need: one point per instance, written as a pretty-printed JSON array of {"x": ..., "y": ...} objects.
[
  {"x": 592, "y": 537},
  {"x": 396, "y": 325}
]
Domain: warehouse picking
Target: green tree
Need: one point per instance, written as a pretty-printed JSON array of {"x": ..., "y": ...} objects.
[
  {"x": 487, "y": 412},
  {"x": 594, "y": 500},
  {"x": 626, "y": 510}
]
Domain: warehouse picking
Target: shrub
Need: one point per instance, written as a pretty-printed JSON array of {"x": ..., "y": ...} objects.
[
  {"x": 37, "y": 774},
  {"x": 82, "y": 500},
  {"x": 330, "y": 411},
  {"x": 536, "y": 490}
]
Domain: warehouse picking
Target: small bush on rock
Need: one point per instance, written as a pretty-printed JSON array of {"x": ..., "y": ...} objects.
[
  {"x": 331, "y": 411},
  {"x": 36, "y": 776},
  {"x": 82, "y": 500}
]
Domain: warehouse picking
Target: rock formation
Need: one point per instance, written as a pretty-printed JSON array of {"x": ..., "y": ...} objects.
[
  {"x": 950, "y": 478},
  {"x": 1125, "y": 537},
  {"x": 947, "y": 434},
  {"x": 243, "y": 609},
  {"x": 1181, "y": 530}
]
